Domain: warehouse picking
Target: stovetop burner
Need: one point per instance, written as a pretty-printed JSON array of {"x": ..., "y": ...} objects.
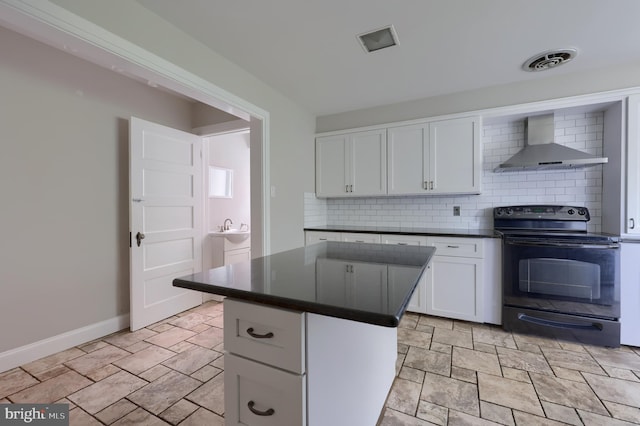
[{"x": 562, "y": 223}]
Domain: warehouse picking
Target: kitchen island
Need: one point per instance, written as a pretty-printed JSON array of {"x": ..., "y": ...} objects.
[{"x": 311, "y": 333}]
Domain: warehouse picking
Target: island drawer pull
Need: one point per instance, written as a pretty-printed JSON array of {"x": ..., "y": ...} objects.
[
  {"x": 250, "y": 332},
  {"x": 268, "y": 412},
  {"x": 453, "y": 246}
]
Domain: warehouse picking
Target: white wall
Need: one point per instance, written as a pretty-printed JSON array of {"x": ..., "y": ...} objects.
[
  {"x": 291, "y": 129},
  {"x": 64, "y": 251},
  {"x": 581, "y": 187},
  {"x": 552, "y": 87},
  {"x": 231, "y": 151}
]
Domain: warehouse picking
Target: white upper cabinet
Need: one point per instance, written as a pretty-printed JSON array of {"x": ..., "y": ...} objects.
[
  {"x": 408, "y": 159},
  {"x": 352, "y": 164},
  {"x": 440, "y": 157},
  {"x": 633, "y": 166}
]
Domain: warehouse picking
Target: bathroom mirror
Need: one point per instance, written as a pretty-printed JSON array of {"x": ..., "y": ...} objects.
[{"x": 220, "y": 182}]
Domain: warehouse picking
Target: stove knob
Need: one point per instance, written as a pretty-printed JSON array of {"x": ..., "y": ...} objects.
[
  {"x": 509, "y": 212},
  {"x": 571, "y": 211},
  {"x": 499, "y": 211},
  {"x": 582, "y": 212}
]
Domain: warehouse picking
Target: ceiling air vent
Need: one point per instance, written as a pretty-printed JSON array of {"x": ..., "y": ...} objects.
[
  {"x": 378, "y": 39},
  {"x": 549, "y": 59}
]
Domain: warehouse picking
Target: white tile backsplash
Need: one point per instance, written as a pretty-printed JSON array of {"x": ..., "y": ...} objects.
[{"x": 581, "y": 187}]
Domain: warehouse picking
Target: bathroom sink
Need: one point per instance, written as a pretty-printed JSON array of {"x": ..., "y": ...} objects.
[{"x": 233, "y": 235}]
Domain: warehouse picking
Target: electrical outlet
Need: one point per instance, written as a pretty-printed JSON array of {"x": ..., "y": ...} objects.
[{"x": 456, "y": 210}]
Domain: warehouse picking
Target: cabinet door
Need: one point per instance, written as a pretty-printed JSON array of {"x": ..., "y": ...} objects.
[
  {"x": 368, "y": 163},
  {"x": 418, "y": 302},
  {"x": 236, "y": 256},
  {"x": 407, "y": 159},
  {"x": 454, "y": 288},
  {"x": 257, "y": 394},
  {"x": 368, "y": 286},
  {"x": 633, "y": 166},
  {"x": 331, "y": 166},
  {"x": 332, "y": 277},
  {"x": 454, "y": 156},
  {"x": 630, "y": 294}
]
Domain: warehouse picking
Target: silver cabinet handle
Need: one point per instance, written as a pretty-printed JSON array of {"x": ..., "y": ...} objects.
[
  {"x": 633, "y": 224},
  {"x": 346, "y": 188},
  {"x": 350, "y": 188},
  {"x": 403, "y": 244},
  {"x": 430, "y": 184},
  {"x": 425, "y": 185},
  {"x": 453, "y": 246}
]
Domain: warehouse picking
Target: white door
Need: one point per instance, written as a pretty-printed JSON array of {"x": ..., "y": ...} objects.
[{"x": 165, "y": 219}]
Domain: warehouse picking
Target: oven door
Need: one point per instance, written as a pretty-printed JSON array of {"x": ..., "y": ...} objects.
[{"x": 567, "y": 277}]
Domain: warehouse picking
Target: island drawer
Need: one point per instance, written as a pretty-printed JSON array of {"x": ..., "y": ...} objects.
[
  {"x": 256, "y": 394},
  {"x": 268, "y": 335}
]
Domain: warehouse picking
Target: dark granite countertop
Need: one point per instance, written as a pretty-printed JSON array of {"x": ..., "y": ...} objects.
[
  {"x": 370, "y": 283},
  {"x": 449, "y": 232}
]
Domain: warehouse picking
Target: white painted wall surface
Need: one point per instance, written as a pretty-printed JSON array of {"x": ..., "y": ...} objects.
[
  {"x": 64, "y": 252},
  {"x": 231, "y": 151},
  {"x": 291, "y": 127}
]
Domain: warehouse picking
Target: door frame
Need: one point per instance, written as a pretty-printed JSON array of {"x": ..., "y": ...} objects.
[{"x": 61, "y": 29}]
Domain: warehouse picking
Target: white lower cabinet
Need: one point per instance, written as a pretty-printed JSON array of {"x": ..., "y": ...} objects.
[
  {"x": 360, "y": 285},
  {"x": 418, "y": 302},
  {"x": 312, "y": 237},
  {"x": 455, "y": 278},
  {"x": 630, "y": 294},
  {"x": 454, "y": 288},
  {"x": 225, "y": 252},
  {"x": 360, "y": 237},
  {"x": 257, "y": 394},
  {"x": 463, "y": 281},
  {"x": 288, "y": 368}
]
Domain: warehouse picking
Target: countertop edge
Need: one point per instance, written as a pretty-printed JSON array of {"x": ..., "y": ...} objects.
[
  {"x": 430, "y": 232},
  {"x": 296, "y": 305}
]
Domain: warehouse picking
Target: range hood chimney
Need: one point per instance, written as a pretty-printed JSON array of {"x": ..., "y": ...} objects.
[{"x": 540, "y": 152}]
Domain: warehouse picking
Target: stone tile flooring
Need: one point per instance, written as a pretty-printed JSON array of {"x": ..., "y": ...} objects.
[{"x": 449, "y": 373}]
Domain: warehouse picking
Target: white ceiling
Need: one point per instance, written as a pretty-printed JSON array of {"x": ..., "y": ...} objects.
[{"x": 308, "y": 50}]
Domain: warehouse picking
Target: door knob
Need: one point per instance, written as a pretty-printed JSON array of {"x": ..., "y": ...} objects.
[{"x": 139, "y": 238}]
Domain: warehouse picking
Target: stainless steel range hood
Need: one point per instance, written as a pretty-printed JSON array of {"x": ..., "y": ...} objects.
[{"x": 540, "y": 152}]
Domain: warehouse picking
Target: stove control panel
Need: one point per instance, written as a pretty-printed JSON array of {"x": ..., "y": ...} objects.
[{"x": 542, "y": 212}]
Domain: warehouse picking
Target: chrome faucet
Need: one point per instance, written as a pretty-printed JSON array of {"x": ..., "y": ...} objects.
[{"x": 226, "y": 226}]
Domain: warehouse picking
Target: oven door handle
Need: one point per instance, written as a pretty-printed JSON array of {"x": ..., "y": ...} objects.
[
  {"x": 559, "y": 324},
  {"x": 561, "y": 244}
]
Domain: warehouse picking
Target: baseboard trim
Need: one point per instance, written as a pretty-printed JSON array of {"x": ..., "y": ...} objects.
[{"x": 36, "y": 350}]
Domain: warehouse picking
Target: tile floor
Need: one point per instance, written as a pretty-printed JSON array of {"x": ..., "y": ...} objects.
[{"x": 449, "y": 373}]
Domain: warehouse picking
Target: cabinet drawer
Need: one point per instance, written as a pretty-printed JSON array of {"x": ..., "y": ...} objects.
[
  {"x": 404, "y": 240},
  {"x": 362, "y": 237},
  {"x": 268, "y": 335},
  {"x": 256, "y": 394},
  {"x": 312, "y": 237},
  {"x": 462, "y": 247}
]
